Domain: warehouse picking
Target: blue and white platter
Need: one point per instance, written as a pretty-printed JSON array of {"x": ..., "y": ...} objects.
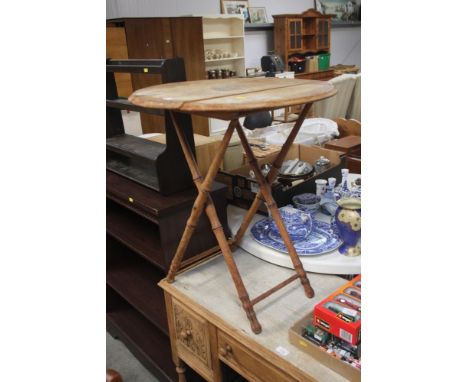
[{"x": 322, "y": 239}]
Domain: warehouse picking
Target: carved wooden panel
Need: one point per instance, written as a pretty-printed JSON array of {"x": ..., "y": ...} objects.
[{"x": 192, "y": 333}]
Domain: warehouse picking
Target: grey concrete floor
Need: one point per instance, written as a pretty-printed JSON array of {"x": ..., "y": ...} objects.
[{"x": 119, "y": 358}]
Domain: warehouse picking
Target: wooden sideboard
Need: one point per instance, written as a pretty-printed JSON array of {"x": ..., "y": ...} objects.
[
  {"x": 210, "y": 333},
  {"x": 143, "y": 229}
]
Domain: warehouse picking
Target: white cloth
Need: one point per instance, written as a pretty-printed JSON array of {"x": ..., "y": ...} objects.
[
  {"x": 336, "y": 106},
  {"x": 313, "y": 131}
]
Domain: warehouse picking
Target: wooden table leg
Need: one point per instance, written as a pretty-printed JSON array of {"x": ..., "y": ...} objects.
[
  {"x": 265, "y": 189},
  {"x": 180, "y": 369},
  {"x": 203, "y": 187},
  {"x": 271, "y": 175},
  {"x": 203, "y": 196}
]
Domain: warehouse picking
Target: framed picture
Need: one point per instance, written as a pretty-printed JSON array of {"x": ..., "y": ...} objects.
[
  {"x": 343, "y": 10},
  {"x": 258, "y": 15},
  {"x": 237, "y": 7}
]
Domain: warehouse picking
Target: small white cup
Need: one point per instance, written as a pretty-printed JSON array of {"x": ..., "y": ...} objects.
[{"x": 320, "y": 187}]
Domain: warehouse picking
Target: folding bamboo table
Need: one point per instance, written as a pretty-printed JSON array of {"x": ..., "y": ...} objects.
[{"x": 230, "y": 99}]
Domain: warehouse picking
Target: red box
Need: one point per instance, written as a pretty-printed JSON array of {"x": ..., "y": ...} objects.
[{"x": 340, "y": 313}]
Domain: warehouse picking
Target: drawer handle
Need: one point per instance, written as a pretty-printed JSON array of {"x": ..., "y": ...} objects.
[
  {"x": 225, "y": 351},
  {"x": 185, "y": 334}
]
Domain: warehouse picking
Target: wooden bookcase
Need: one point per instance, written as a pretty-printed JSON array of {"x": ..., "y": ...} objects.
[
  {"x": 307, "y": 32},
  {"x": 143, "y": 230},
  {"x": 225, "y": 32}
]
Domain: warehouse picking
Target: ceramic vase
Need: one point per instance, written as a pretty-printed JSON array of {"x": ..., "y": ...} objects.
[
  {"x": 343, "y": 188},
  {"x": 348, "y": 223}
]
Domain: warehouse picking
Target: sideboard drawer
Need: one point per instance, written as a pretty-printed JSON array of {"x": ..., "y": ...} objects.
[
  {"x": 192, "y": 337},
  {"x": 247, "y": 363}
]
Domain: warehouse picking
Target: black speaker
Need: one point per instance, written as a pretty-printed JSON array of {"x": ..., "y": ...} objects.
[{"x": 272, "y": 64}]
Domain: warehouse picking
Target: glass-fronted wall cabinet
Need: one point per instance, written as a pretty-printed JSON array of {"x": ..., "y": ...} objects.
[{"x": 306, "y": 34}]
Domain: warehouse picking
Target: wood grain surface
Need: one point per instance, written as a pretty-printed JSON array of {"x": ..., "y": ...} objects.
[{"x": 228, "y": 97}]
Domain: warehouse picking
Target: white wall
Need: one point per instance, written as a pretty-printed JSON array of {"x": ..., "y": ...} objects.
[
  {"x": 153, "y": 8},
  {"x": 345, "y": 42}
]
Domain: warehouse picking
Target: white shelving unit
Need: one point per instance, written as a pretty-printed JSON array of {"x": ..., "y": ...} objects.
[{"x": 225, "y": 32}]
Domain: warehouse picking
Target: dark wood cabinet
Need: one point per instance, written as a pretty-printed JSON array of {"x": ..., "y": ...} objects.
[
  {"x": 143, "y": 231},
  {"x": 162, "y": 37},
  {"x": 306, "y": 33}
]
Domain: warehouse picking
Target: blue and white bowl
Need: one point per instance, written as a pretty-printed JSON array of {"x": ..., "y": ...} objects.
[
  {"x": 307, "y": 202},
  {"x": 306, "y": 198}
]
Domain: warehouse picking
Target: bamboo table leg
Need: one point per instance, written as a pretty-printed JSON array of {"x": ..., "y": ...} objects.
[
  {"x": 203, "y": 187},
  {"x": 265, "y": 189},
  {"x": 272, "y": 174}
]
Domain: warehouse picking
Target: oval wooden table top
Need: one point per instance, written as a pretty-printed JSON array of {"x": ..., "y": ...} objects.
[{"x": 231, "y": 98}]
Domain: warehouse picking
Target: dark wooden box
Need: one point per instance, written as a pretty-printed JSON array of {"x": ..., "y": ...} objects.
[{"x": 242, "y": 188}]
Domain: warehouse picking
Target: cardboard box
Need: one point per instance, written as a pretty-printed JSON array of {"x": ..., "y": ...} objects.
[
  {"x": 243, "y": 188},
  {"x": 311, "y": 64},
  {"x": 233, "y": 157},
  {"x": 344, "y": 323},
  {"x": 342, "y": 368}
]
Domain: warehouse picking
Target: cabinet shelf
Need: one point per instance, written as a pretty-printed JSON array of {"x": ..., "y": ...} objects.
[
  {"x": 225, "y": 59},
  {"x": 136, "y": 281},
  {"x": 135, "y": 232},
  {"x": 256, "y": 27}
]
